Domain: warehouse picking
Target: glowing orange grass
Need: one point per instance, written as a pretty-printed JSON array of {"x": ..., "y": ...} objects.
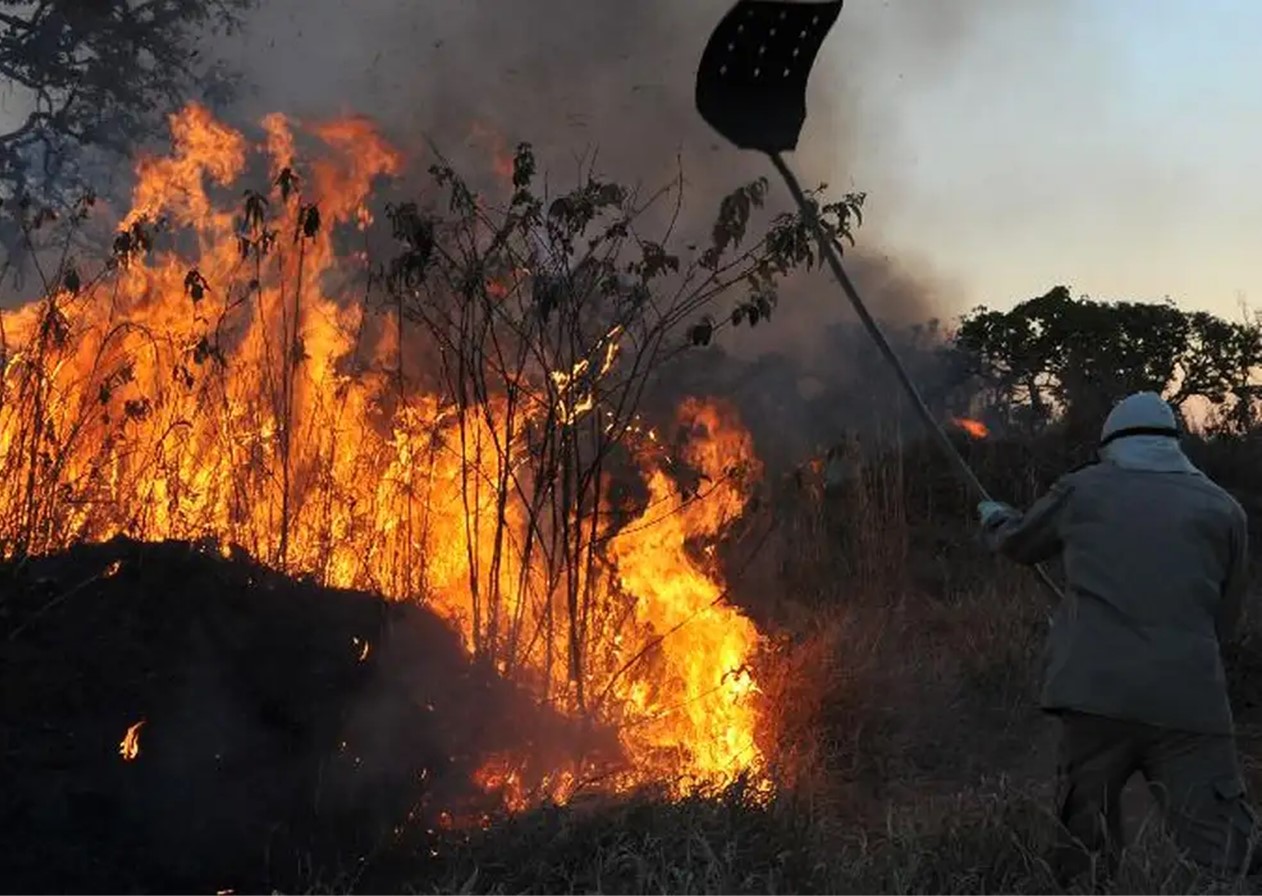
[
  {"x": 975, "y": 428},
  {"x": 129, "y": 747}
]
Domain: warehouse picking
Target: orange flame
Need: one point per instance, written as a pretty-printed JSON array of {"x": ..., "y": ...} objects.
[
  {"x": 975, "y": 428},
  {"x": 215, "y": 394},
  {"x": 707, "y": 685},
  {"x": 498, "y": 774},
  {"x": 129, "y": 747},
  {"x": 502, "y": 162}
]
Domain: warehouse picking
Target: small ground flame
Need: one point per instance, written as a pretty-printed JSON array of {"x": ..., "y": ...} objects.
[
  {"x": 363, "y": 646},
  {"x": 976, "y": 429},
  {"x": 129, "y": 747}
]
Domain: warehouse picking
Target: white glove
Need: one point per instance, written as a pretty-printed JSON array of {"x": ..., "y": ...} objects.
[{"x": 990, "y": 512}]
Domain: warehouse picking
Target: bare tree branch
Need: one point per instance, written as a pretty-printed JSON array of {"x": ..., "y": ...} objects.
[{"x": 100, "y": 76}]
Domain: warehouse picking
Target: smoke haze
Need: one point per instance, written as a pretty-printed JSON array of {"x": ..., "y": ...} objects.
[{"x": 616, "y": 77}]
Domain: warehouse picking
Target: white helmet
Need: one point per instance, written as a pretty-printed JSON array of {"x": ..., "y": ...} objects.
[{"x": 1141, "y": 414}]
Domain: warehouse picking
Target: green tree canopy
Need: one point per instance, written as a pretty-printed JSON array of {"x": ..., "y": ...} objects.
[{"x": 1057, "y": 358}]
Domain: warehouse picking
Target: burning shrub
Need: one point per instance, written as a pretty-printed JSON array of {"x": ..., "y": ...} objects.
[{"x": 450, "y": 426}]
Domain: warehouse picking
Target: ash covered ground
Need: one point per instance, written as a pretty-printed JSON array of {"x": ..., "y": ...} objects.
[{"x": 291, "y": 733}]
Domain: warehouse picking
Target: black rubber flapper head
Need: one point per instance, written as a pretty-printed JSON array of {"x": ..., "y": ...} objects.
[{"x": 751, "y": 86}]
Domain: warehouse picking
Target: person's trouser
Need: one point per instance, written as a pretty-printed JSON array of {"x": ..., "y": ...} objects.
[{"x": 1194, "y": 777}]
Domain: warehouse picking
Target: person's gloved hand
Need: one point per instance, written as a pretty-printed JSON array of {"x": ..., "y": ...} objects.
[{"x": 990, "y": 512}]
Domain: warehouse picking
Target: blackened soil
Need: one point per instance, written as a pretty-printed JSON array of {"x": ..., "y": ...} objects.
[{"x": 274, "y": 753}]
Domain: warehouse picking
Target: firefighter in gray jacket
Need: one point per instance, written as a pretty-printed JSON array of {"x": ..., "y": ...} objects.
[{"x": 1155, "y": 559}]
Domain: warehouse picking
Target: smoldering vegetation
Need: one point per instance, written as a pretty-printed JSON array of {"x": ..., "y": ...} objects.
[{"x": 283, "y": 732}]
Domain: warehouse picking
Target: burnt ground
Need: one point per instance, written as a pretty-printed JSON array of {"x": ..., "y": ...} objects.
[
  {"x": 271, "y": 755},
  {"x": 273, "y": 758}
]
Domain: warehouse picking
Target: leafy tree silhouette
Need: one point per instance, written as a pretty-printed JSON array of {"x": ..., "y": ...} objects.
[
  {"x": 96, "y": 74},
  {"x": 1058, "y": 359}
]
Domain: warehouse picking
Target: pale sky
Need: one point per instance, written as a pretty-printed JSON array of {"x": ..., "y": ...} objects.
[{"x": 1116, "y": 147}]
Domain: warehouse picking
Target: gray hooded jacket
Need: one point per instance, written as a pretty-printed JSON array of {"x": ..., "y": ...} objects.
[{"x": 1155, "y": 559}]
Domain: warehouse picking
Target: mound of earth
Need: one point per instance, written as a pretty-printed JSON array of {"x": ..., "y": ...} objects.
[{"x": 290, "y": 732}]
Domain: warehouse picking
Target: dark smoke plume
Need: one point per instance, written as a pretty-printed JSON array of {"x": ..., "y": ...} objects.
[
  {"x": 581, "y": 76},
  {"x": 615, "y": 78}
]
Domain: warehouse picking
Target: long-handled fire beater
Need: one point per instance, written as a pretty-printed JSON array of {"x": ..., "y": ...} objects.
[{"x": 751, "y": 88}]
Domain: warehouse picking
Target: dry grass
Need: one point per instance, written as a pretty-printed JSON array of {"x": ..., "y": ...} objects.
[
  {"x": 905, "y": 730},
  {"x": 900, "y": 713},
  {"x": 988, "y": 840},
  {"x": 908, "y": 777},
  {"x": 899, "y": 688}
]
